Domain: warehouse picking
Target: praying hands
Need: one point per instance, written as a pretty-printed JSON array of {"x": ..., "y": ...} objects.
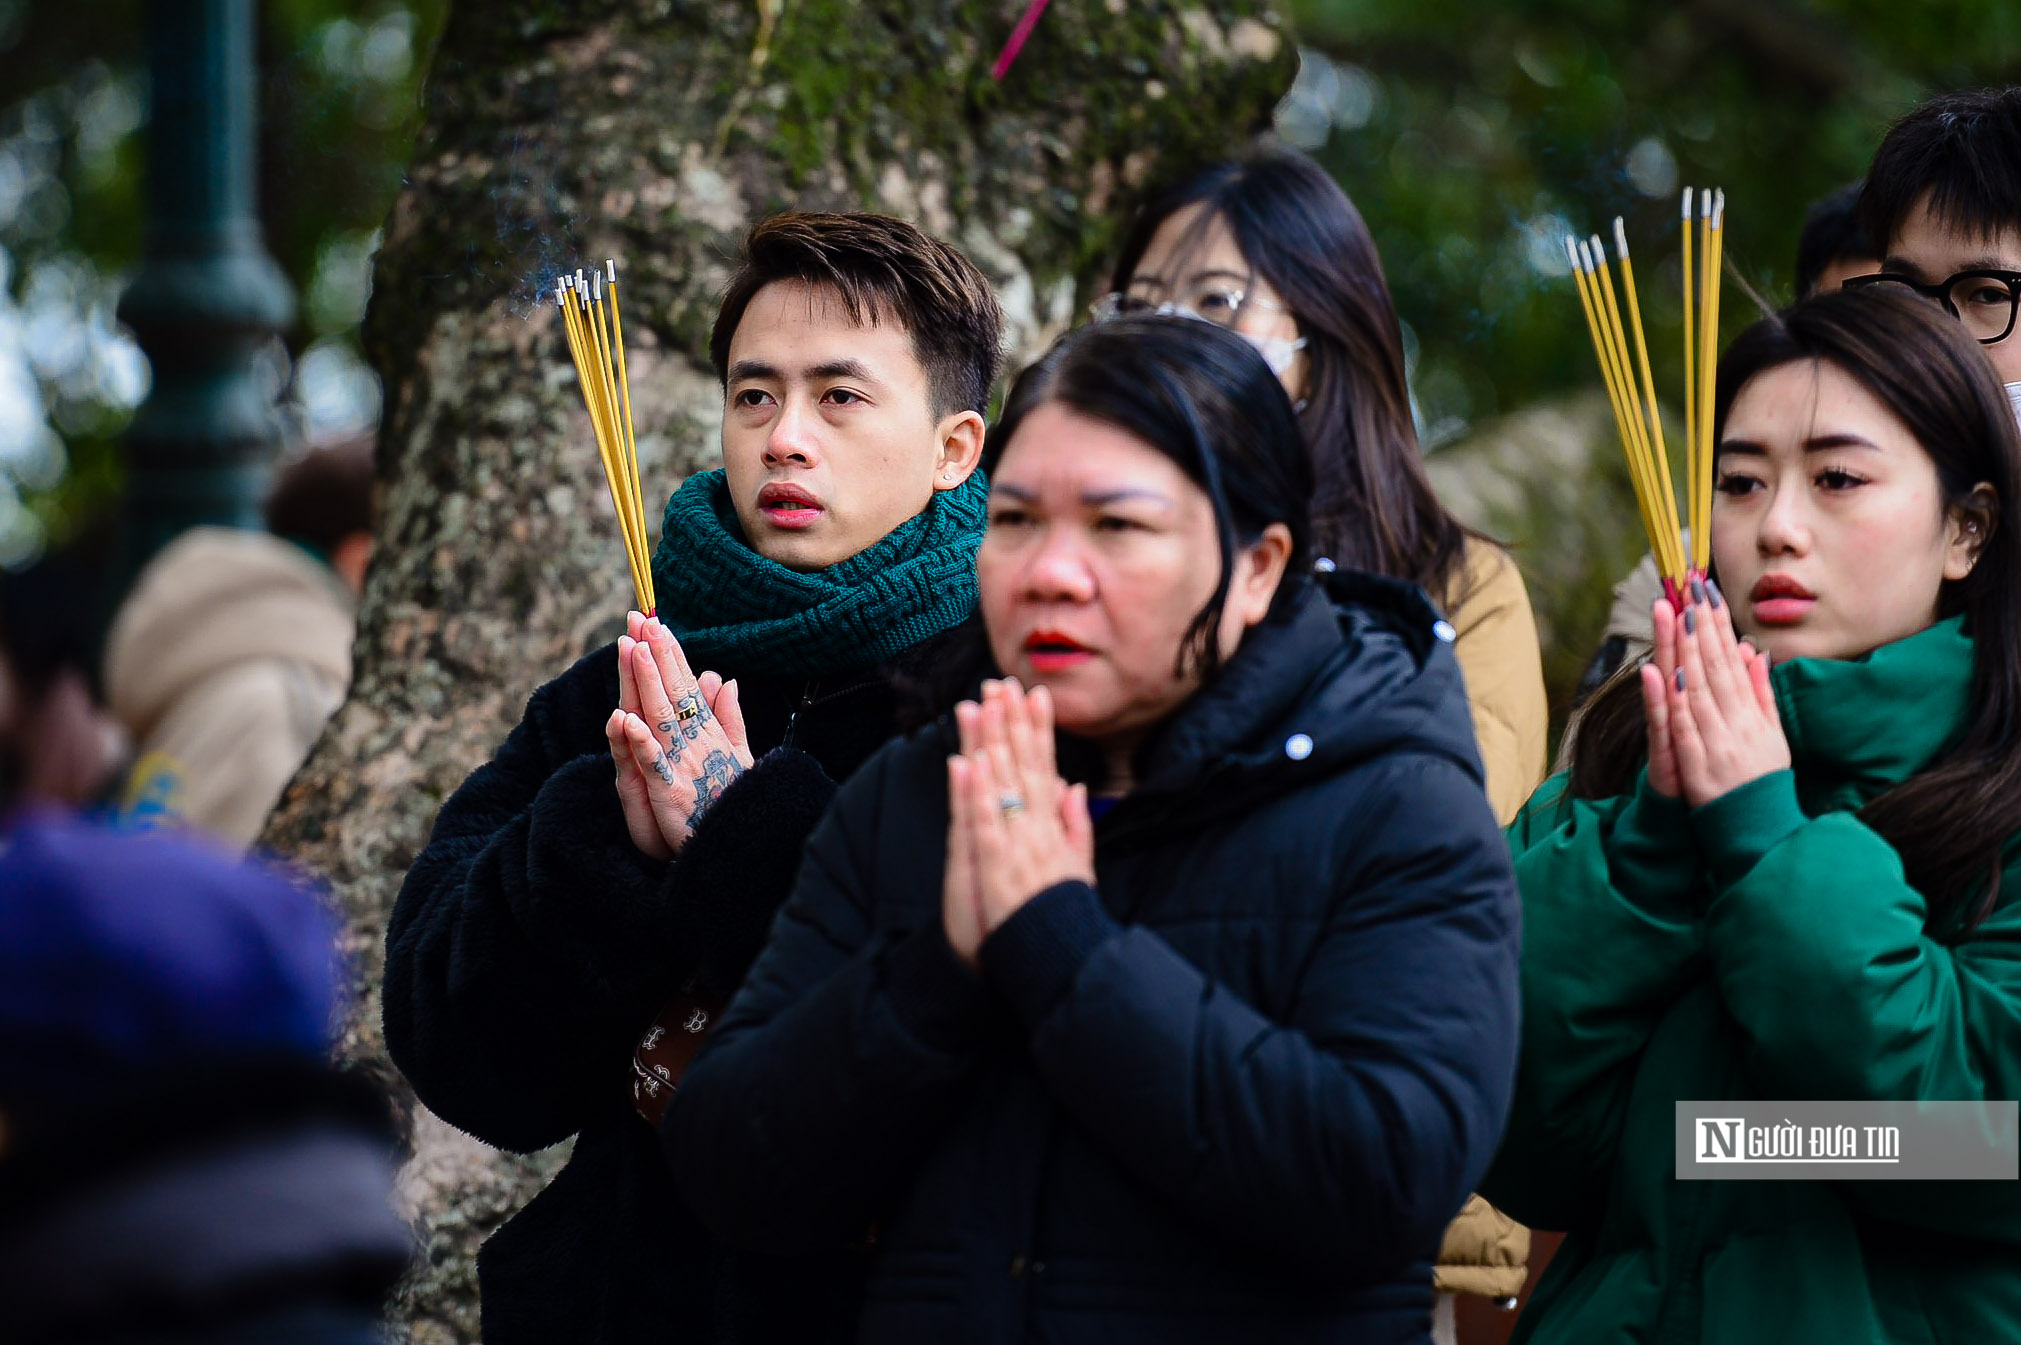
[
  {"x": 677, "y": 739},
  {"x": 1713, "y": 723},
  {"x": 1014, "y": 827}
]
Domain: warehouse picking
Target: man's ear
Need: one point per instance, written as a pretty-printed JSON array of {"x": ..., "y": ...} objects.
[
  {"x": 1972, "y": 525},
  {"x": 961, "y": 438}
]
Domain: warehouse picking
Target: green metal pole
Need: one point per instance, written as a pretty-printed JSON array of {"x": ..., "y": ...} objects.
[{"x": 207, "y": 295}]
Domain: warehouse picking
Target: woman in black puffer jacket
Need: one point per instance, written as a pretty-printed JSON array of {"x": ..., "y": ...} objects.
[{"x": 1212, "y": 1055}]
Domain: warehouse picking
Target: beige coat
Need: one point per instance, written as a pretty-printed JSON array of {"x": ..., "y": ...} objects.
[
  {"x": 224, "y": 662},
  {"x": 1495, "y": 639}
]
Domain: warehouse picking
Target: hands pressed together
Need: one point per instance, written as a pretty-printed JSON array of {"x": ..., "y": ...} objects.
[
  {"x": 678, "y": 739},
  {"x": 1713, "y": 723},
  {"x": 1015, "y": 828}
]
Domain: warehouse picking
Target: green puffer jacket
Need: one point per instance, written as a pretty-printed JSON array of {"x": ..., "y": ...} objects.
[{"x": 1764, "y": 946}]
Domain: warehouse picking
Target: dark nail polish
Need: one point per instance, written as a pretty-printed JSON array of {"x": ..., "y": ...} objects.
[
  {"x": 1697, "y": 592},
  {"x": 1680, "y": 679},
  {"x": 1712, "y": 590},
  {"x": 1691, "y": 621}
]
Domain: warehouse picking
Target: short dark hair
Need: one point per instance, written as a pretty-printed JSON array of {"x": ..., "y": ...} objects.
[
  {"x": 1962, "y": 150},
  {"x": 1831, "y": 233},
  {"x": 1373, "y": 507},
  {"x": 880, "y": 267},
  {"x": 1203, "y": 397},
  {"x": 323, "y": 496}
]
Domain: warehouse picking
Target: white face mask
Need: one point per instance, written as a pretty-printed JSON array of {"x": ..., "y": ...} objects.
[
  {"x": 2014, "y": 399},
  {"x": 1278, "y": 352}
]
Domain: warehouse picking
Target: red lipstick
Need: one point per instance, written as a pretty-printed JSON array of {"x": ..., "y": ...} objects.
[{"x": 1054, "y": 651}]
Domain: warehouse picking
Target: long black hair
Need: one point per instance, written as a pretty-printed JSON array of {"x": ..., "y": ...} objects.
[
  {"x": 1373, "y": 507},
  {"x": 1951, "y": 820}
]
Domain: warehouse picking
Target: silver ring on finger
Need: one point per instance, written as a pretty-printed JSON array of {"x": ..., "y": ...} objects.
[{"x": 1010, "y": 805}]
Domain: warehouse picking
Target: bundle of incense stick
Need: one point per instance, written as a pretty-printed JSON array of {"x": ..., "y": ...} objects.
[
  {"x": 598, "y": 348},
  {"x": 1682, "y": 550}
]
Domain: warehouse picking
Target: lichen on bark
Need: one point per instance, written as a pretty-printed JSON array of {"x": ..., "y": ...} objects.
[{"x": 656, "y": 132}]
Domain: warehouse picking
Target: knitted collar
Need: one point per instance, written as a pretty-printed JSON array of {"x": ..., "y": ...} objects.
[{"x": 735, "y": 610}]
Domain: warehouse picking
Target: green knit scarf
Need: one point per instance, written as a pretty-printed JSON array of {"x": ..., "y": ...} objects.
[{"x": 733, "y": 609}]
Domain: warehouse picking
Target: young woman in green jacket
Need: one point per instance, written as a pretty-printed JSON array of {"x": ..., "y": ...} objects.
[{"x": 1782, "y": 866}]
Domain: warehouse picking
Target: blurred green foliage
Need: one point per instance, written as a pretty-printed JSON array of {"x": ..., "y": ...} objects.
[
  {"x": 339, "y": 84},
  {"x": 1471, "y": 134}
]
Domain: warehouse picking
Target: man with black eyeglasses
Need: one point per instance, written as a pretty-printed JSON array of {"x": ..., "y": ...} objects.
[{"x": 1943, "y": 203}]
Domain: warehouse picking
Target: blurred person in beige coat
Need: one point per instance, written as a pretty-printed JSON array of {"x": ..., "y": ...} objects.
[{"x": 234, "y": 647}]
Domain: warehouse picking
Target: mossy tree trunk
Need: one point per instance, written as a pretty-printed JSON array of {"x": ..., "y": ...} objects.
[{"x": 656, "y": 131}]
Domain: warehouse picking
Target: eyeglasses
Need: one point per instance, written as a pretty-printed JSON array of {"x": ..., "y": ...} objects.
[
  {"x": 1220, "y": 304},
  {"x": 1985, "y": 301}
]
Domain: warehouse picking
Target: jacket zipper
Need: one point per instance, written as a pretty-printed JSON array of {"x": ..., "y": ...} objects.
[{"x": 810, "y": 696}]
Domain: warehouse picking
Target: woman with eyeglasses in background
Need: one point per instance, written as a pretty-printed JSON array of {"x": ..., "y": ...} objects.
[{"x": 1271, "y": 248}]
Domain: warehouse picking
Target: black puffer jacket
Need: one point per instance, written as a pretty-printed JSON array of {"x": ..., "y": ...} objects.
[
  {"x": 1234, "y": 1095},
  {"x": 532, "y": 944}
]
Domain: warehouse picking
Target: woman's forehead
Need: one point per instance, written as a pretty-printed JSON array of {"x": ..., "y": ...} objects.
[
  {"x": 1193, "y": 240},
  {"x": 1060, "y": 450},
  {"x": 1808, "y": 398}
]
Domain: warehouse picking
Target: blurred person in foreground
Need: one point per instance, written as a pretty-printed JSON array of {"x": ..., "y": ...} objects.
[
  {"x": 234, "y": 647},
  {"x": 178, "y": 1160}
]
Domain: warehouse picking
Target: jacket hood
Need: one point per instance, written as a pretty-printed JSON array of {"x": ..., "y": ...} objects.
[
  {"x": 1359, "y": 667},
  {"x": 216, "y": 597}
]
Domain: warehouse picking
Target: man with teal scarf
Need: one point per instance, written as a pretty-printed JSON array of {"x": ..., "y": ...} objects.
[{"x": 620, "y": 858}]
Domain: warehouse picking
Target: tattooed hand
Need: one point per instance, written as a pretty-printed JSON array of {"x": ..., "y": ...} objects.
[{"x": 678, "y": 740}]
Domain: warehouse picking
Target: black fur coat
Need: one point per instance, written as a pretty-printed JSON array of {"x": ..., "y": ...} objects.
[{"x": 532, "y": 944}]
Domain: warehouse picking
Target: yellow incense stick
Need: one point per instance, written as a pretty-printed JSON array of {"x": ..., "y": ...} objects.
[
  {"x": 1589, "y": 300},
  {"x": 1621, "y": 346},
  {"x": 1659, "y": 452},
  {"x": 1708, "y": 339},
  {"x": 598, "y": 352},
  {"x": 1636, "y": 443},
  {"x": 631, "y": 440},
  {"x": 1702, "y": 550},
  {"x": 1693, "y": 506},
  {"x": 582, "y": 349},
  {"x": 1664, "y": 511},
  {"x": 607, "y": 391}
]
